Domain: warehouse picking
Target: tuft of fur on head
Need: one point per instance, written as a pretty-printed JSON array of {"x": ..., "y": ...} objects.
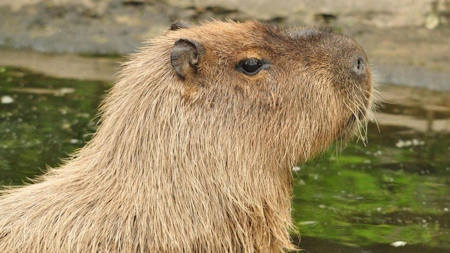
[{"x": 192, "y": 155}]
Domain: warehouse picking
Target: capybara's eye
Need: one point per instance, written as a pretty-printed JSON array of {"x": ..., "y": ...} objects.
[{"x": 249, "y": 66}]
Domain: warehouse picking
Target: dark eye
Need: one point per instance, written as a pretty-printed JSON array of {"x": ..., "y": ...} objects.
[{"x": 249, "y": 66}]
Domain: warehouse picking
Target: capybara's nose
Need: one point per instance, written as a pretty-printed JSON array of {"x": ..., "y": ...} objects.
[{"x": 359, "y": 65}]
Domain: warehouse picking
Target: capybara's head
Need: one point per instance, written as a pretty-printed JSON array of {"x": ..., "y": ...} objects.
[
  {"x": 290, "y": 88},
  {"x": 256, "y": 88}
]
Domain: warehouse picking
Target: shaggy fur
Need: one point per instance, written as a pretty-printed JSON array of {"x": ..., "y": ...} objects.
[{"x": 199, "y": 164}]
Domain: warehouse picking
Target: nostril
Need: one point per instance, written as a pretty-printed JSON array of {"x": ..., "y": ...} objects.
[{"x": 359, "y": 66}]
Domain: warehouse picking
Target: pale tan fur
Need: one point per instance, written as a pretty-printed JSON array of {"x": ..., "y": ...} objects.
[{"x": 195, "y": 165}]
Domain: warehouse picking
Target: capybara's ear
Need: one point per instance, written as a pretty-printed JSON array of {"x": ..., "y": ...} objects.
[
  {"x": 185, "y": 57},
  {"x": 179, "y": 25}
]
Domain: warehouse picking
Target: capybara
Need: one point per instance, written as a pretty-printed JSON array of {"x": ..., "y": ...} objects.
[{"x": 196, "y": 143}]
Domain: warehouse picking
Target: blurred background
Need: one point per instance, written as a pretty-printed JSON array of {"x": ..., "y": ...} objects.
[{"x": 391, "y": 194}]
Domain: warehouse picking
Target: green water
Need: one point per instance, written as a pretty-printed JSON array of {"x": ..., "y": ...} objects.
[
  {"x": 44, "y": 120},
  {"x": 396, "y": 188},
  {"x": 373, "y": 196}
]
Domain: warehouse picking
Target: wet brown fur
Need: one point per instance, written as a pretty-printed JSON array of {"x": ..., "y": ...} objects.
[{"x": 201, "y": 164}]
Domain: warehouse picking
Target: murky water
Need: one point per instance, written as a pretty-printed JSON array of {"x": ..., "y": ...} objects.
[{"x": 393, "y": 191}]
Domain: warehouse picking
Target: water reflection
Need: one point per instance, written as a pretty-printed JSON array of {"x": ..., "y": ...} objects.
[{"x": 365, "y": 199}]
